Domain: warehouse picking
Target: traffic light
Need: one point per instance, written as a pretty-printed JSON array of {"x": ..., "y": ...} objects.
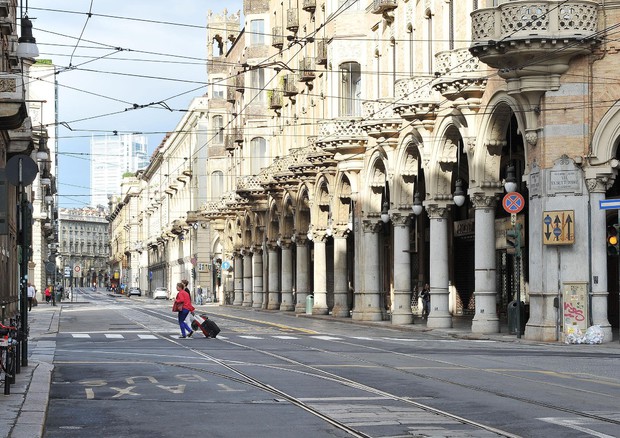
[
  {"x": 513, "y": 240},
  {"x": 613, "y": 240}
]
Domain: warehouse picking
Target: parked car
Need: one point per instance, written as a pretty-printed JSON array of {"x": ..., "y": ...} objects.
[
  {"x": 134, "y": 291},
  {"x": 160, "y": 293}
]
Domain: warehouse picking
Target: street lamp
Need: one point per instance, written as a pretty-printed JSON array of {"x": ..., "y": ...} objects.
[
  {"x": 510, "y": 183},
  {"x": 417, "y": 205},
  {"x": 459, "y": 194},
  {"x": 27, "y": 47}
]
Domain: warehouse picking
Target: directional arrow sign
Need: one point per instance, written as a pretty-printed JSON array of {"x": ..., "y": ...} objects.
[{"x": 559, "y": 227}]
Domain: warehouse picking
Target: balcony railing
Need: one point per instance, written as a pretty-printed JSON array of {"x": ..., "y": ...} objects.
[
  {"x": 274, "y": 99},
  {"x": 461, "y": 75},
  {"x": 239, "y": 82},
  {"x": 289, "y": 85},
  {"x": 12, "y": 98},
  {"x": 292, "y": 19},
  {"x": 277, "y": 38},
  {"x": 416, "y": 99},
  {"x": 231, "y": 94},
  {"x": 344, "y": 135},
  {"x": 306, "y": 69},
  {"x": 321, "y": 52},
  {"x": 381, "y": 6},
  {"x": 309, "y": 5}
]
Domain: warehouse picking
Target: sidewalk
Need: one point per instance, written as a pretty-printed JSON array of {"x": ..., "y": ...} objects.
[{"x": 22, "y": 413}]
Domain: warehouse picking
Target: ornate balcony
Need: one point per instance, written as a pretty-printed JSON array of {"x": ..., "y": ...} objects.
[
  {"x": 307, "y": 71},
  {"x": 229, "y": 142},
  {"x": 342, "y": 136},
  {"x": 534, "y": 38},
  {"x": 274, "y": 99},
  {"x": 309, "y": 5},
  {"x": 238, "y": 135},
  {"x": 461, "y": 76},
  {"x": 321, "y": 52},
  {"x": 416, "y": 99},
  {"x": 231, "y": 94},
  {"x": 292, "y": 19},
  {"x": 240, "y": 82},
  {"x": 277, "y": 37},
  {"x": 21, "y": 138},
  {"x": 381, "y": 6},
  {"x": 379, "y": 119},
  {"x": 289, "y": 85},
  {"x": 13, "y": 110}
]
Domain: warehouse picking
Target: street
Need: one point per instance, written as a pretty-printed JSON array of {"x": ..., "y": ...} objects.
[{"x": 120, "y": 370}]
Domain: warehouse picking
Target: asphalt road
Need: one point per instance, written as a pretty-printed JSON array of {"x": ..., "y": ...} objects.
[{"x": 120, "y": 371}]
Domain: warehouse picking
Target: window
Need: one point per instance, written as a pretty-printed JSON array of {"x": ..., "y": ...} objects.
[
  {"x": 218, "y": 131},
  {"x": 350, "y": 89},
  {"x": 257, "y": 78},
  {"x": 257, "y": 32},
  {"x": 218, "y": 89},
  {"x": 217, "y": 185},
  {"x": 258, "y": 155}
]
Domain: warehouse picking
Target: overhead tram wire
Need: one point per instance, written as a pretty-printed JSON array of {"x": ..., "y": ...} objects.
[{"x": 83, "y": 30}]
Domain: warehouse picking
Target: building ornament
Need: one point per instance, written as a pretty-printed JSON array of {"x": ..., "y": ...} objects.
[
  {"x": 436, "y": 211},
  {"x": 483, "y": 200}
]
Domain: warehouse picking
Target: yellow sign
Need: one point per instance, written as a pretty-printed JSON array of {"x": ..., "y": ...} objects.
[{"x": 559, "y": 227}]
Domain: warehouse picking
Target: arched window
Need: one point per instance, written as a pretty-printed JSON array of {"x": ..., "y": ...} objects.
[
  {"x": 350, "y": 89},
  {"x": 429, "y": 41},
  {"x": 258, "y": 155},
  {"x": 218, "y": 131},
  {"x": 217, "y": 185}
]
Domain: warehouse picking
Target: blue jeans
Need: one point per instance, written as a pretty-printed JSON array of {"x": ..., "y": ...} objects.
[{"x": 184, "y": 327}]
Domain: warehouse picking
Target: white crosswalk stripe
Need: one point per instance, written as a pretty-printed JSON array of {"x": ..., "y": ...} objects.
[
  {"x": 114, "y": 336},
  {"x": 80, "y": 335},
  {"x": 147, "y": 336},
  {"x": 250, "y": 337}
]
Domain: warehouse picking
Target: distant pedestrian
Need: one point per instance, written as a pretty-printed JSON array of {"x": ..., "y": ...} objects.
[
  {"x": 32, "y": 293},
  {"x": 426, "y": 300},
  {"x": 183, "y": 305},
  {"x": 48, "y": 294}
]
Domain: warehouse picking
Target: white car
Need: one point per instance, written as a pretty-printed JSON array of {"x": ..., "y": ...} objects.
[{"x": 160, "y": 293}]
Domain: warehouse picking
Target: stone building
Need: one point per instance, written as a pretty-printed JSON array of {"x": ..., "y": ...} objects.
[
  {"x": 374, "y": 145},
  {"x": 83, "y": 247}
]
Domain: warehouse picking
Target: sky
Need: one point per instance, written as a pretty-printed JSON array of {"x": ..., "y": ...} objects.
[{"x": 142, "y": 88}]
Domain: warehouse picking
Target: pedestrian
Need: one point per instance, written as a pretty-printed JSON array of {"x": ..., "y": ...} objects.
[
  {"x": 183, "y": 305},
  {"x": 199, "y": 295},
  {"x": 48, "y": 294},
  {"x": 32, "y": 293},
  {"x": 426, "y": 300},
  {"x": 190, "y": 315}
]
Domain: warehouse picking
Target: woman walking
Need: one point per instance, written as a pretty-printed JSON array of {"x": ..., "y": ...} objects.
[{"x": 183, "y": 305}]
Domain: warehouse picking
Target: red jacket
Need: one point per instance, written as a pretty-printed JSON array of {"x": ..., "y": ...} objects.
[{"x": 184, "y": 301}]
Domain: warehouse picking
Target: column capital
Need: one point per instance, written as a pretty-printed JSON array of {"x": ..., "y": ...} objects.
[
  {"x": 484, "y": 200},
  {"x": 600, "y": 183},
  {"x": 399, "y": 219},
  {"x": 436, "y": 211},
  {"x": 371, "y": 226}
]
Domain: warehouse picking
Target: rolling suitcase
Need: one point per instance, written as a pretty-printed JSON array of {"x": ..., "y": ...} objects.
[{"x": 206, "y": 326}]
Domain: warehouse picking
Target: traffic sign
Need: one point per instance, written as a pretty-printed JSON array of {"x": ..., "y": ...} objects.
[
  {"x": 559, "y": 227},
  {"x": 226, "y": 265},
  {"x": 513, "y": 202},
  {"x": 609, "y": 204},
  {"x": 67, "y": 271}
]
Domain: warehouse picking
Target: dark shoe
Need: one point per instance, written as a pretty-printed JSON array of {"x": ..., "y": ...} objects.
[
  {"x": 190, "y": 334},
  {"x": 182, "y": 337}
]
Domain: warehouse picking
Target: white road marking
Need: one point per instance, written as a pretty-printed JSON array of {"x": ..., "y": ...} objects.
[
  {"x": 114, "y": 336},
  {"x": 285, "y": 337},
  {"x": 327, "y": 338},
  {"x": 573, "y": 423},
  {"x": 249, "y": 337},
  {"x": 80, "y": 335},
  {"x": 147, "y": 336}
]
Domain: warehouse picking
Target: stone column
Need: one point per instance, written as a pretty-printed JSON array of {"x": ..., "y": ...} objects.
[
  {"x": 598, "y": 242},
  {"x": 439, "y": 309},
  {"x": 485, "y": 293},
  {"x": 274, "y": 281},
  {"x": 238, "y": 282},
  {"x": 341, "y": 286},
  {"x": 369, "y": 297},
  {"x": 257, "y": 273},
  {"x": 247, "y": 279},
  {"x": 287, "y": 277},
  {"x": 320, "y": 278},
  {"x": 401, "y": 312},
  {"x": 302, "y": 286}
]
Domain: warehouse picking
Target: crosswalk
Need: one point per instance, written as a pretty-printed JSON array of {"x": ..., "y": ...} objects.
[{"x": 96, "y": 336}]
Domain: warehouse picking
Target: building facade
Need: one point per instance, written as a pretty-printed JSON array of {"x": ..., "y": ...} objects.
[
  {"x": 84, "y": 248},
  {"x": 372, "y": 146},
  {"x": 114, "y": 156}
]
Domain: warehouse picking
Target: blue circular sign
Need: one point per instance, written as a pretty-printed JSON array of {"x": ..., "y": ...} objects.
[{"x": 226, "y": 265}]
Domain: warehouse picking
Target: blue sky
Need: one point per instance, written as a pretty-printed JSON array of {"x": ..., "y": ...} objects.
[{"x": 159, "y": 63}]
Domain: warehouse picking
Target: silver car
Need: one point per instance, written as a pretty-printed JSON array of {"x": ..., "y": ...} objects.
[{"x": 160, "y": 293}]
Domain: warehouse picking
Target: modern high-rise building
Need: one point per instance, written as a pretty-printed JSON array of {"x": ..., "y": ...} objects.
[{"x": 111, "y": 158}]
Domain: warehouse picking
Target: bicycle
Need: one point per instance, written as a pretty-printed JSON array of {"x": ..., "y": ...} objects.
[{"x": 8, "y": 356}]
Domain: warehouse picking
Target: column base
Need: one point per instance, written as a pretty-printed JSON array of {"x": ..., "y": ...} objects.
[
  {"x": 320, "y": 310},
  {"x": 485, "y": 325},
  {"x": 402, "y": 318},
  {"x": 437, "y": 320},
  {"x": 543, "y": 333},
  {"x": 341, "y": 312},
  {"x": 287, "y": 307},
  {"x": 368, "y": 315}
]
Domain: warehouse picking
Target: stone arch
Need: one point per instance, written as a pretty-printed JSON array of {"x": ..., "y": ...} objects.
[
  {"x": 440, "y": 176},
  {"x": 377, "y": 185},
  {"x": 273, "y": 221},
  {"x": 287, "y": 220},
  {"x": 341, "y": 206},
  {"x": 487, "y": 158},
  {"x": 606, "y": 137},
  {"x": 321, "y": 208},
  {"x": 302, "y": 210},
  {"x": 247, "y": 229},
  {"x": 407, "y": 170}
]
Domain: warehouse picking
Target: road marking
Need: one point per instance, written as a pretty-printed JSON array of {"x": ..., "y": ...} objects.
[
  {"x": 249, "y": 337},
  {"x": 114, "y": 336},
  {"x": 80, "y": 335},
  {"x": 573, "y": 423},
  {"x": 148, "y": 337},
  {"x": 326, "y": 338},
  {"x": 285, "y": 337}
]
